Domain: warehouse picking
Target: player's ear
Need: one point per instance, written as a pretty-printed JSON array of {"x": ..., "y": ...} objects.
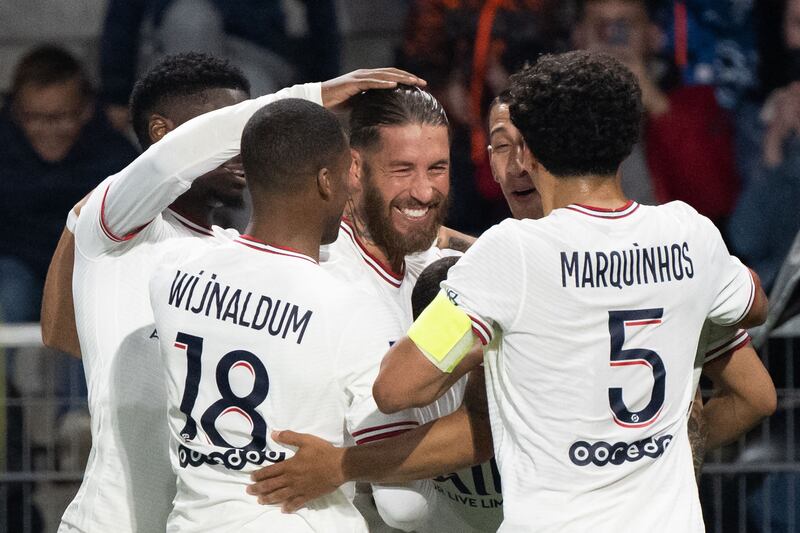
[
  {"x": 324, "y": 183},
  {"x": 158, "y": 126},
  {"x": 356, "y": 170}
]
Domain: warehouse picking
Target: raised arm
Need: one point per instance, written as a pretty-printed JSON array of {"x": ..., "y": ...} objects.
[{"x": 142, "y": 190}]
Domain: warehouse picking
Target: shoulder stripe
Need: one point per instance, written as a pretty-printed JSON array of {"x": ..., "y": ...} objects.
[
  {"x": 107, "y": 231},
  {"x": 727, "y": 347},
  {"x": 383, "y": 272}
]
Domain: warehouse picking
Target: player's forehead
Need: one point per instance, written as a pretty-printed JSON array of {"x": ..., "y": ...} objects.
[
  {"x": 413, "y": 143},
  {"x": 630, "y": 10},
  {"x": 500, "y": 121},
  {"x": 50, "y": 96}
]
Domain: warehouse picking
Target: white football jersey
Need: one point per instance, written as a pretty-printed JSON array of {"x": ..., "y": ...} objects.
[
  {"x": 460, "y": 502},
  {"x": 122, "y": 230},
  {"x": 598, "y": 315},
  {"x": 255, "y": 338}
]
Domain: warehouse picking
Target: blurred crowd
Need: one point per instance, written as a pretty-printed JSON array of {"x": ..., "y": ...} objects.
[{"x": 720, "y": 84}]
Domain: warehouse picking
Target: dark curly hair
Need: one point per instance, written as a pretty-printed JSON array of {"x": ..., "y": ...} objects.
[
  {"x": 402, "y": 105},
  {"x": 580, "y": 113},
  {"x": 177, "y": 76}
]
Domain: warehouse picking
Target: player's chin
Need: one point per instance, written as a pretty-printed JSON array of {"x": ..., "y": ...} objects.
[
  {"x": 526, "y": 203},
  {"x": 416, "y": 236}
]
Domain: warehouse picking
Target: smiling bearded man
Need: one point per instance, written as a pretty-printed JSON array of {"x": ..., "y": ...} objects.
[
  {"x": 401, "y": 225},
  {"x": 400, "y": 174},
  {"x": 400, "y": 143}
]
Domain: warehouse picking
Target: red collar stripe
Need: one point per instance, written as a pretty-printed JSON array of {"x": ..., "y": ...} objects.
[
  {"x": 599, "y": 212},
  {"x": 386, "y": 274},
  {"x": 188, "y": 224},
  {"x": 250, "y": 242}
]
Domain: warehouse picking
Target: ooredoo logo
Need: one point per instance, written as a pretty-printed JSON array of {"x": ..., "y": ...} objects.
[{"x": 601, "y": 453}]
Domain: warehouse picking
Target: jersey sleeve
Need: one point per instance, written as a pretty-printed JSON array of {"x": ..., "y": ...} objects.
[
  {"x": 488, "y": 282},
  {"x": 127, "y": 201},
  {"x": 719, "y": 341},
  {"x": 372, "y": 330},
  {"x": 732, "y": 285},
  {"x": 72, "y": 219}
]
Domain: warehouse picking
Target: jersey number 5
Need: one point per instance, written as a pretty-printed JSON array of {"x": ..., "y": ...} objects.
[
  {"x": 617, "y": 321},
  {"x": 229, "y": 401}
]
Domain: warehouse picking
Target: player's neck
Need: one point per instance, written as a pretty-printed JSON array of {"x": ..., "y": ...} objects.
[
  {"x": 368, "y": 243},
  {"x": 197, "y": 212},
  {"x": 594, "y": 191},
  {"x": 287, "y": 228}
]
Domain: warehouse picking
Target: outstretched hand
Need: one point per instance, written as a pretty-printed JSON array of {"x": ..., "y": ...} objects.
[
  {"x": 313, "y": 471},
  {"x": 339, "y": 90}
]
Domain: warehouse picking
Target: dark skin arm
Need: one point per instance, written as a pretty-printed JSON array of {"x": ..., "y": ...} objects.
[
  {"x": 450, "y": 443},
  {"x": 58, "y": 314}
]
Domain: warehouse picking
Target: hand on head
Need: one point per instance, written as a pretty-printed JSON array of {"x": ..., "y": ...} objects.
[{"x": 339, "y": 90}]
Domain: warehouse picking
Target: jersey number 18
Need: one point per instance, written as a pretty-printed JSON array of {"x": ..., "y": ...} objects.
[{"x": 229, "y": 402}]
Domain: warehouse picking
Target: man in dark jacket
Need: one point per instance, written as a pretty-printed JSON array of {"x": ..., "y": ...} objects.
[{"x": 55, "y": 150}]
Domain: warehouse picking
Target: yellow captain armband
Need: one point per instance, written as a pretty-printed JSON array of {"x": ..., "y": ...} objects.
[{"x": 443, "y": 332}]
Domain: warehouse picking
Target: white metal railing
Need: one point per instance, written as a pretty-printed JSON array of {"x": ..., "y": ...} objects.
[{"x": 750, "y": 486}]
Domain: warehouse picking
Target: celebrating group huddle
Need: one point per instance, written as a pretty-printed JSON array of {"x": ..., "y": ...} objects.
[{"x": 241, "y": 382}]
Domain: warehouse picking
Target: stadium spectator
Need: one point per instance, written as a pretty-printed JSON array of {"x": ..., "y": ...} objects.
[
  {"x": 712, "y": 43},
  {"x": 55, "y": 150},
  {"x": 687, "y": 141},
  {"x": 762, "y": 228},
  {"x": 252, "y": 34},
  {"x": 466, "y": 49}
]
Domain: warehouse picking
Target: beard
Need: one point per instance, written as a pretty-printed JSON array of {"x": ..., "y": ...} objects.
[{"x": 377, "y": 215}]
